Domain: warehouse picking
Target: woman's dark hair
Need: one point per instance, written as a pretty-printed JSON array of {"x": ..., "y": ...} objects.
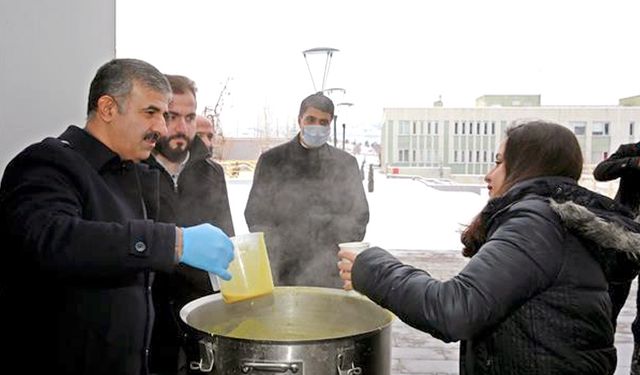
[
  {"x": 538, "y": 148},
  {"x": 532, "y": 149}
]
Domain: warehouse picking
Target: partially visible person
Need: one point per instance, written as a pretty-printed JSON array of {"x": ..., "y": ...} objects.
[
  {"x": 307, "y": 196},
  {"x": 625, "y": 165},
  {"x": 204, "y": 130},
  {"x": 80, "y": 244},
  {"x": 192, "y": 191},
  {"x": 533, "y": 297}
]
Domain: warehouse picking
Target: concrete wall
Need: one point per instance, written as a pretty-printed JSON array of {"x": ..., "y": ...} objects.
[{"x": 49, "y": 52}]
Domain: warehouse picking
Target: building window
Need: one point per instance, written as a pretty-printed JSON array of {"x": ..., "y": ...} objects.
[
  {"x": 414, "y": 155},
  {"x": 403, "y": 155},
  {"x": 435, "y": 131},
  {"x": 414, "y": 127},
  {"x": 455, "y": 129},
  {"x": 471, "y": 128},
  {"x": 477, "y": 156},
  {"x": 493, "y": 128},
  {"x": 462, "y": 156},
  {"x": 403, "y": 128},
  {"x": 455, "y": 156},
  {"x": 470, "y": 156},
  {"x": 484, "y": 156},
  {"x": 600, "y": 128},
  {"x": 429, "y": 127},
  {"x": 631, "y": 126},
  {"x": 485, "y": 127},
  {"x": 464, "y": 126},
  {"x": 477, "y": 128},
  {"x": 579, "y": 127}
]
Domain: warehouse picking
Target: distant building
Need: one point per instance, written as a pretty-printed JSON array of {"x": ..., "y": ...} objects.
[
  {"x": 630, "y": 101},
  {"x": 508, "y": 101},
  {"x": 440, "y": 141}
]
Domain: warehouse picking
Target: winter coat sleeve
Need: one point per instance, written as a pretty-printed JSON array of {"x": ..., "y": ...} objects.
[
  {"x": 45, "y": 220},
  {"x": 520, "y": 258},
  {"x": 626, "y": 159}
]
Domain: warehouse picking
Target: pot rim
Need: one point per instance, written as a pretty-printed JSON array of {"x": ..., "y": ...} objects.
[{"x": 193, "y": 305}]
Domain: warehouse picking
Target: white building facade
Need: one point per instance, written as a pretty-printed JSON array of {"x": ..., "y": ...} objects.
[{"x": 440, "y": 142}]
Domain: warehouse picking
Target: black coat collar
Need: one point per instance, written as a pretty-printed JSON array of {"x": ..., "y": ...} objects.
[{"x": 99, "y": 156}]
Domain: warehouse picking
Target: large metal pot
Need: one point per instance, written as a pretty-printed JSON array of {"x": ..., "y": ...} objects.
[{"x": 296, "y": 330}]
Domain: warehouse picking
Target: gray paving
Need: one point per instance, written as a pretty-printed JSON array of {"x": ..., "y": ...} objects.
[{"x": 417, "y": 353}]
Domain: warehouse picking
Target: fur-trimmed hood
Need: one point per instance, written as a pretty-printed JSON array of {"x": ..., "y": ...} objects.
[
  {"x": 606, "y": 232},
  {"x": 610, "y": 228}
]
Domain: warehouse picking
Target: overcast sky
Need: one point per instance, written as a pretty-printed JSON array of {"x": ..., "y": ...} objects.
[{"x": 395, "y": 53}]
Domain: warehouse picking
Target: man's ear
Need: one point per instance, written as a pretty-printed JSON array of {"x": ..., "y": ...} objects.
[{"x": 107, "y": 108}]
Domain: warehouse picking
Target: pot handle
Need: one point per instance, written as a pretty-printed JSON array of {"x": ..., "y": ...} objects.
[
  {"x": 207, "y": 358},
  {"x": 293, "y": 367},
  {"x": 346, "y": 364}
]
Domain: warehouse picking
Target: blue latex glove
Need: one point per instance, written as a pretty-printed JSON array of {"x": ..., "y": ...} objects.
[{"x": 207, "y": 247}]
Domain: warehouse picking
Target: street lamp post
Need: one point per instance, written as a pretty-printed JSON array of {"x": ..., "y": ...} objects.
[
  {"x": 335, "y": 130},
  {"x": 335, "y": 124},
  {"x": 335, "y": 117},
  {"x": 328, "y": 52}
]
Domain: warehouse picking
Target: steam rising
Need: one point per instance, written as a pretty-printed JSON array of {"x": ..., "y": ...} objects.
[{"x": 307, "y": 201}]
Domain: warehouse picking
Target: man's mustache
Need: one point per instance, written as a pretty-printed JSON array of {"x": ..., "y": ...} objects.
[
  {"x": 177, "y": 136},
  {"x": 152, "y": 136}
]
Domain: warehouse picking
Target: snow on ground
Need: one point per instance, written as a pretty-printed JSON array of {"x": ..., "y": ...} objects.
[
  {"x": 408, "y": 215},
  {"x": 404, "y": 214}
]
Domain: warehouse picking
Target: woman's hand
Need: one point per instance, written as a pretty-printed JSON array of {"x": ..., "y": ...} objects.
[{"x": 344, "y": 265}]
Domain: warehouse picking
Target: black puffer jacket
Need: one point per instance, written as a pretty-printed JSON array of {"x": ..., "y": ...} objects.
[{"x": 534, "y": 299}]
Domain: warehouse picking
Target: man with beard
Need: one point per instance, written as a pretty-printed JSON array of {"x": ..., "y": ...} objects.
[{"x": 192, "y": 190}]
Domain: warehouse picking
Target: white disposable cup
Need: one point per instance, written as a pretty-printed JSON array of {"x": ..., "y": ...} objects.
[{"x": 355, "y": 247}]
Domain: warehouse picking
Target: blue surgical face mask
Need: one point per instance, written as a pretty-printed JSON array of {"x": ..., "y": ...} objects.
[{"x": 315, "y": 136}]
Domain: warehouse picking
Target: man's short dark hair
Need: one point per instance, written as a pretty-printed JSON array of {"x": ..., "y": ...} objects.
[
  {"x": 181, "y": 84},
  {"x": 318, "y": 101},
  {"x": 116, "y": 77}
]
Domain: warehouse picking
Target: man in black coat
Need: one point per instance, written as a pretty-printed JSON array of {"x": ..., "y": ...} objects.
[
  {"x": 192, "y": 191},
  {"x": 80, "y": 248},
  {"x": 625, "y": 164},
  {"x": 307, "y": 197}
]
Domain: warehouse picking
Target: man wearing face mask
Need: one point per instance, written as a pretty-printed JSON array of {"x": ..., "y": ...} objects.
[{"x": 307, "y": 197}]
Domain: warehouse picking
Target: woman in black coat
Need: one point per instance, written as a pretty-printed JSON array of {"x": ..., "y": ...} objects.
[{"x": 533, "y": 298}]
